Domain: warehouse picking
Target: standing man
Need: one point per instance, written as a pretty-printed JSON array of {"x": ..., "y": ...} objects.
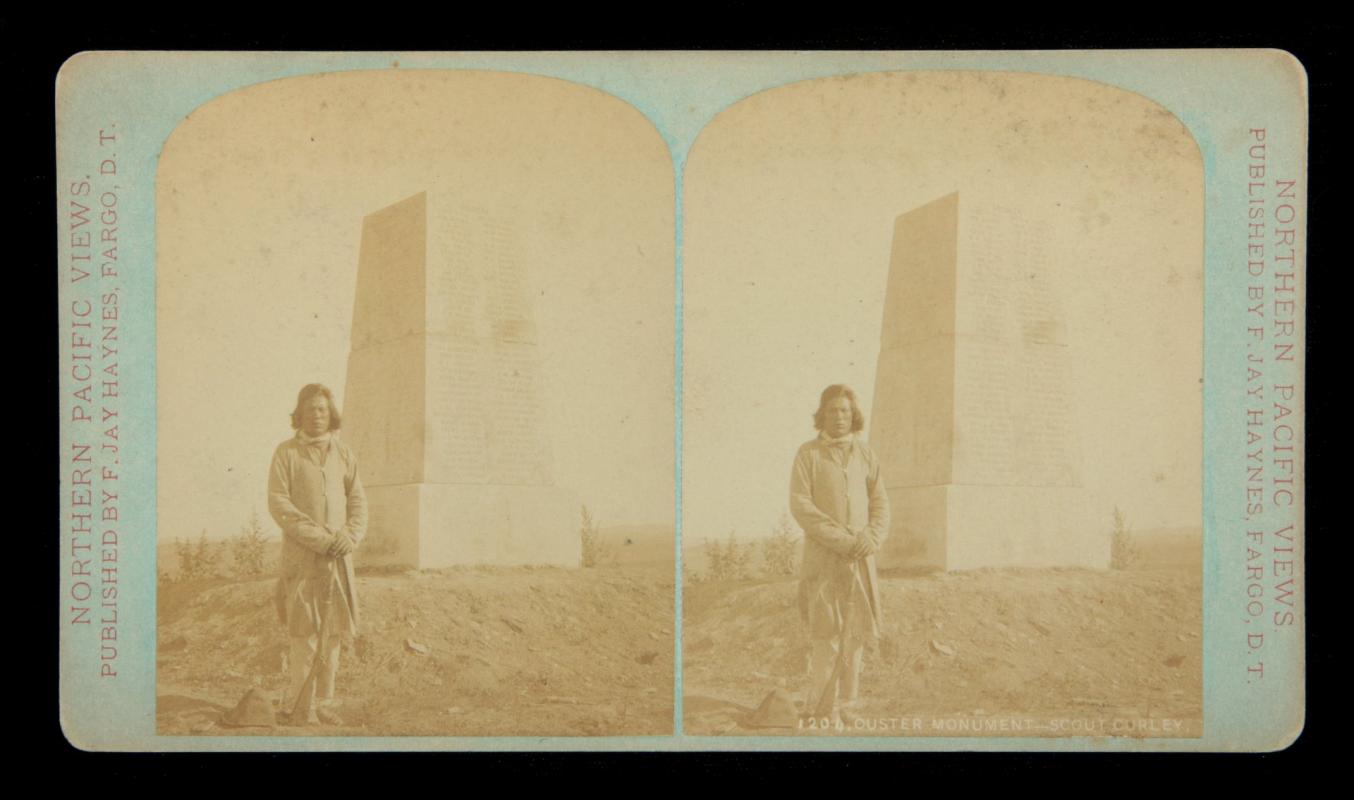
[
  {"x": 316, "y": 497},
  {"x": 838, "y": 498}
]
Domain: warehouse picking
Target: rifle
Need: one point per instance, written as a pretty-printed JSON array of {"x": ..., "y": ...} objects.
[
  {"x": 827, "y": 701},
  {"x": 320, "y": 614}
]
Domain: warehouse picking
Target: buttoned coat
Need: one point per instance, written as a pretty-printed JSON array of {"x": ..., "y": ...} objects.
[
  {"x": 836, "y": 490},
  {"x": 300, "y": 479}
]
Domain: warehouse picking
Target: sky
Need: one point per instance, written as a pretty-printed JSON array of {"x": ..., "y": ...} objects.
[
  {"x": 790, "y": 201},
  {"x": 260, "y": 199}
]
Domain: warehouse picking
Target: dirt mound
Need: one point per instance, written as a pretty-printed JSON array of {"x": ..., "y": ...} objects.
[
  {"x": 464, "y": 652},
  {"x": 1045, "y": 644}
]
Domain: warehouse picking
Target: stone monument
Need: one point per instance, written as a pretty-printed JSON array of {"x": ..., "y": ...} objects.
[
  {"x": 444, "y": 398},
  {"x": 973, "y": 417}
]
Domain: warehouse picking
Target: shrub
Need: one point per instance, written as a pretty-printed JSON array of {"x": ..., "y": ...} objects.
[
  {"x": 1123, "y": 551},
  {"x": 714, "y": 560},
  {"x": 595, "y": 551},
  {"x": 249, "y": 548},
  {"x": 732, "y": 560},
  {"x": 208, "y": 557},
  {"x": 728, "y": 561},
  {"x": 183, "y": 557},
  {"x": 780, "y": 553},
  {"x": 200, "y": 559}
]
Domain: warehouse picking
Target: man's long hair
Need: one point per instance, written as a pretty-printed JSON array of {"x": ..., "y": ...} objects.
[
  {"x": 832, "y": 393},
  {"x": 308, "y": 391}
]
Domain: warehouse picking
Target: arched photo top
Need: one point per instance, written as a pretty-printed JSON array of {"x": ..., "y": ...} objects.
[
  {"x": 403, "y": 113},
  {"x": 1007, "y": 269},
  {"x": 792, "y": 201},
  {"x": 1023, "y": 120},
  {"x": 549, "y": 211}
]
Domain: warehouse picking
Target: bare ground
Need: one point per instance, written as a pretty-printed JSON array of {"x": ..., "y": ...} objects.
[
  {"x": 1066, "y": 651},
  {"x": 509, "y": 651}
]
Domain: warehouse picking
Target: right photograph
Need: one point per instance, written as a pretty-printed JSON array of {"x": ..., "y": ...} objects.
[{"x": 942, "y": 412}]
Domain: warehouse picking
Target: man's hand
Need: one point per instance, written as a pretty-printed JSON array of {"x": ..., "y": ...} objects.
[
  {"x": 342, "y": 546},
  {"x": 862, "y": 547}
]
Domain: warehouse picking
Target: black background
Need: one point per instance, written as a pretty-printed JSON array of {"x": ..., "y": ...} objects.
[{"x": 37, "y": 46}]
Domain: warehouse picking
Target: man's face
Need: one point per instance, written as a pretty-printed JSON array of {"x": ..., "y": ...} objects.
[
  {"x": 315, "y": 416},
  {"x": 837, "y": 420}
]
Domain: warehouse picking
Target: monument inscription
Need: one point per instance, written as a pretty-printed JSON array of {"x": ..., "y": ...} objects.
[
  {"x": 444, "y": 396},
  {"x": 973, "y": 407}
]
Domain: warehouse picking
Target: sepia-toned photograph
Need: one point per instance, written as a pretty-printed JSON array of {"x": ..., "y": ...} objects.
[
  {"x": 682, "y": 401},
  {"x": 943, "y": 412},
  {"x": 414, "y": 404}
]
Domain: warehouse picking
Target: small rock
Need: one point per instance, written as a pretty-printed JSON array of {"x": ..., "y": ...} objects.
[
  {"x": 647, "y": 657},
  {"x": 455, "y": 710},
  {"x": 254, "y": 709},
  {"x": 572, "y": 701},
  {"x": 777, "y": 710},
  {"x": 270, "y": 659},
  {"x": 476, "y": 679},
  {"x": 943, "y": 649},
  {"x": 1174, "y": 661},
  {"x": 704, "y": 643},
  {"x": 416, "y": 647},
  {"x": 940, "y": 626},
  {"x": 653, "y": 636}
]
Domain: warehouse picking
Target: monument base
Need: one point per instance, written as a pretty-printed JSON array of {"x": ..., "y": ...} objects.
[
  {"x": 965, "y": 527},
  {"x": 471, "y": 524}
]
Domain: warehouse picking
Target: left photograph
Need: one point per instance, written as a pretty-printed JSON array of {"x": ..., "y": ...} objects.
[{"x": 414, "y": 397}]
